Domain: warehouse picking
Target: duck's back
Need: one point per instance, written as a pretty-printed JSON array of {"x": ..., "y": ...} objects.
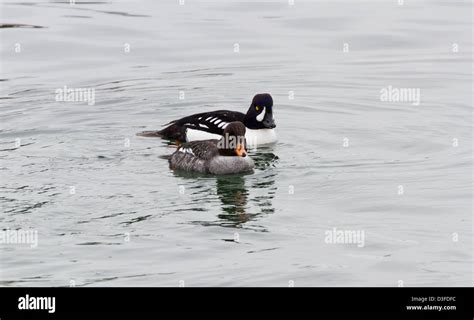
[{"x": 194, "y": 156}]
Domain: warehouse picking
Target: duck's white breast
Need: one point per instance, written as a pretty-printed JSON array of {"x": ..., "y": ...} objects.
[{"x": 256, "y": 137}]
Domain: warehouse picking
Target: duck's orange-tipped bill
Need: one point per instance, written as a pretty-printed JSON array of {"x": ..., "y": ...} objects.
[{"x": 240, "y": 150}]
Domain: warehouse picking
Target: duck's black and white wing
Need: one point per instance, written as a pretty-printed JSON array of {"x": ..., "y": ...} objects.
[
  {"x": 211, "y": 123},
  {"x": 193, "y": 156}
]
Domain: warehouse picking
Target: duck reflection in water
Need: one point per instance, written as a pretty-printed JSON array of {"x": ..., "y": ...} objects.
[
  {"x": 234, "y": 195},
  {"x": 244, "y": 196}
]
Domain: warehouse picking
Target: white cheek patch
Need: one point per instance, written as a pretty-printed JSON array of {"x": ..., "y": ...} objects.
[{"x": 261, "y": 115}]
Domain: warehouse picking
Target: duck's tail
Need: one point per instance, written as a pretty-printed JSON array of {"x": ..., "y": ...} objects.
[
  {"x": 151, "y": 133},
  {"x": 165, "y": 157},
  {"x": 173, "y": 131}
]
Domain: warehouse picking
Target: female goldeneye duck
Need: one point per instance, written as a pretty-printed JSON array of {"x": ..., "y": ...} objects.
[
  {"x": 211, "y": 125},
  {"x": 223, "y": 156}
]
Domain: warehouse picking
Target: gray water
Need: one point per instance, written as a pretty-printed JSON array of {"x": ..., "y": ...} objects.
[{"x": 108, "y": 211}]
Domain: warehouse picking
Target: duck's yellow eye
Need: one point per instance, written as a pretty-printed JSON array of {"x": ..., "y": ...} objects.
[{"x": 257, "y": 108}]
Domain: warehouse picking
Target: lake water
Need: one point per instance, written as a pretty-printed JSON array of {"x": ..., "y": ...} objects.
[{"x": 106, "y": 209}]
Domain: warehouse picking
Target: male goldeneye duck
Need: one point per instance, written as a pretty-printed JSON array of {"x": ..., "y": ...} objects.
[
  {"x": 210, "y": 125},
  {"x": 223, "y": 156}
]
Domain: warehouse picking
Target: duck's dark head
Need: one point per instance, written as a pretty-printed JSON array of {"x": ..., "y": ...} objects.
[
  {"x": 233, "y": 141},
  {"x": 260, "y": 113}
]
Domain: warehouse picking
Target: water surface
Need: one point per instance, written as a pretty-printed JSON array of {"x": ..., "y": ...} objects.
[{"x": 340, "y": 161}]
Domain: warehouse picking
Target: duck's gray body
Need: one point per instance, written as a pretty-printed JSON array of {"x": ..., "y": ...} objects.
[{"x": 204, "y": 157}]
